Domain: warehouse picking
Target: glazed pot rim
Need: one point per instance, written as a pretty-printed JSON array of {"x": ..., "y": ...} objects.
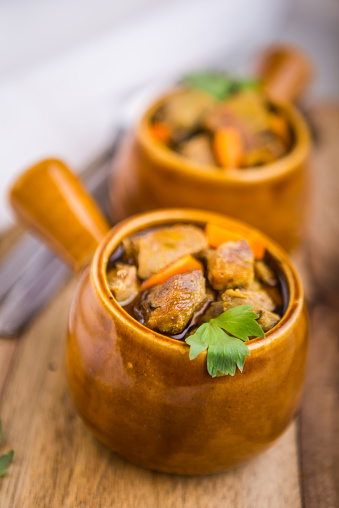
[
  {"x": 156, "y": 218},
  {"x": 180, "y": 164}
]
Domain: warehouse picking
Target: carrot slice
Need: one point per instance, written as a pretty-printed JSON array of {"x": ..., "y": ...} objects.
[
  {"x": 160, "y": 131},
  {"x": 257, "y": 247},
  {"x": 228, "y": 147},
  {"x": 216, "y": 235},
  {"x": 181, "y": 265},
  {"x": 279, "y": 127}
]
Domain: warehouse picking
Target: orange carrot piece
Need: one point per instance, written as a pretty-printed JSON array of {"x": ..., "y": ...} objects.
[
  {"x": 181, "y": 265},
  {"x": 257, "y": 247},
  {"x": 279, "y": 127},
  {"x": 216, "y": 235},
  {"x": 161, "y": 131},
  {"x": 228, "y": 147}
]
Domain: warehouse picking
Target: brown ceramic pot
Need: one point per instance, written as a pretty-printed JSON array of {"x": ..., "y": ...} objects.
[
  {"x": 136, "y": 389},
  {"x": 273, "y": 198}
]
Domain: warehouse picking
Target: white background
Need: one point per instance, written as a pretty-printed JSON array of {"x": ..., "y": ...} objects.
[{"x": 66, "y": 65}]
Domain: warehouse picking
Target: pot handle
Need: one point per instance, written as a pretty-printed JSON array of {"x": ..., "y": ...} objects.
[
  {"x": 285, "y": 72},
  {"x": 52, "y": 202}
]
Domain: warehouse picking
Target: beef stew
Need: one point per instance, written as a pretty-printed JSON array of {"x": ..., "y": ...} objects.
[
  {"x": 174, "y": 278},
  {"x": 216, "y": 121}
]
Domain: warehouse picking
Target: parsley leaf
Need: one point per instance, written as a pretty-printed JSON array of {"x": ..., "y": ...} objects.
[
  {"x": 218, "y": 84},
  {"x": 248, "y": 84},
  {"x": 240, "y": 322},
  {"x": 5, "y": 460},
  {"x": 225, "y": 352}
]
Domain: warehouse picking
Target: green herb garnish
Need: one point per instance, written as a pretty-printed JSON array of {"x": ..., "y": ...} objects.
[
  {"x": 5, "y": 460},
  {"x": 226, "y": 352},
  {"x": 218, "y": 84}
]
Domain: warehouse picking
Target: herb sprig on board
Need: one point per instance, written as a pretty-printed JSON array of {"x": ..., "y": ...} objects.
[
  {"x": 226, "y": 352},
  {"x": 217, "y": 84},
  {"x": 5, "y": 460}
]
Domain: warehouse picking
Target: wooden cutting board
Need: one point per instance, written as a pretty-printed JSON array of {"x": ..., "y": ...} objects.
[{"x": 58, "y": 463}]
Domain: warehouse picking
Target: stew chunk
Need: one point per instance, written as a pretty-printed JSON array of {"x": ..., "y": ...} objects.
[
  {"x": 265, "y": 274},
  {"x": 160, "y": 248},
  {"x": 184, "y": 111},
  {"x": 198, "y": 149},
  {"x": 123, "y": 283},
  {"x": 169, "y": 307},
  {"x": 213, "y": 311},
  {"x": 259, "y": 300},
  {"x": 231, "y": 265}
]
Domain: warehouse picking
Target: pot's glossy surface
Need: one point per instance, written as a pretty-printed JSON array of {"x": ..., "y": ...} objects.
[
  {"x": 139, "y": 393},
  {"x": 272, "y": 198}
]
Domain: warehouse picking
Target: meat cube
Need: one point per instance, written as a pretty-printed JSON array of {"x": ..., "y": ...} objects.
[
  {"x": 257, "y": 157},
  {"x": 267, "y": 319},
  {"x": 231, "y": 265},
  {"x": 206, "y": 253},
  {"x": 245, "y": 111},
  {"x": 250, "y": 107},
  {"x": 198, "y": 149},
  {"x": 185, "y": 110},
  {"x": 268, "y": 141},
  {"x": 273, "y": 292},
  {"x": 234, "y": 297},
  {"x": 170, "y": 306},
  {"x": 261, "y": 297},
  {"x": 265, "y": 274},
  {"x": 267, "y": 148},
  {"x": 214, "y": 310},
  {"x": 131, "y": 249},
  {"x": 254, "y": 286},
  {"x": 161, "y": 247},
  {"x": 276, "y": 295},
  {"x": 221, "y": 117},
  {"x": 123, "y": 283}
]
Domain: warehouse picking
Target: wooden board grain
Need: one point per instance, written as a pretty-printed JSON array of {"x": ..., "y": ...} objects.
[
  {"x": 319, "y": 430},
  {"x": 319, "y": 423}
]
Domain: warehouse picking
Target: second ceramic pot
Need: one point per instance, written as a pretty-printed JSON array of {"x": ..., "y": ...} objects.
[{"x": 272, "y": 198}]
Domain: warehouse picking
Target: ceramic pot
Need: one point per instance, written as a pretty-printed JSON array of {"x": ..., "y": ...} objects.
[
  {"x": 273, "y": 198},
  {"x": 136, "y": 389}
]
